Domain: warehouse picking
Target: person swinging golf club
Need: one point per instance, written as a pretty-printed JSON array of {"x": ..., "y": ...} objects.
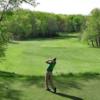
[{"x": 48, "y": 78}]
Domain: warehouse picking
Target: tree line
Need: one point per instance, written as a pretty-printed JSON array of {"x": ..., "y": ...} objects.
[{"x": 25, "y": 24}]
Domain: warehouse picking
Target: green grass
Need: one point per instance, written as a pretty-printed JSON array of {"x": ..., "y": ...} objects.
[{"x": 76, "y": 74}]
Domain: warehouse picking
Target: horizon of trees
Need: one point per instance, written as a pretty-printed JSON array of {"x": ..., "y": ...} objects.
[
  {"x": 31, "y": 24},
  {"x": 23, "y": 24}
]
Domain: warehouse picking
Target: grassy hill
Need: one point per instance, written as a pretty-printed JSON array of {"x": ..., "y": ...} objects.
[{"x": 76, "y": 75}]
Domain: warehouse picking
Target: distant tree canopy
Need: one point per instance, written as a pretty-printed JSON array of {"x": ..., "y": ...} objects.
[
  {"x": 6, "y": 8},
  {"x": 22, "y": 24},
  {"x": 27, "y": 24},
  {"x": 92, "y": 32}
]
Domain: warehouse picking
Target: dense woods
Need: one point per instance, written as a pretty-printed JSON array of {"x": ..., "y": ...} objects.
[
  {"x": 6, "y": 9},
  {"x": 25, "y": 24}
]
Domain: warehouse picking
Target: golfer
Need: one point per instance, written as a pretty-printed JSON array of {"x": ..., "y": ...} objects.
[{"x": 48, "y": 78}]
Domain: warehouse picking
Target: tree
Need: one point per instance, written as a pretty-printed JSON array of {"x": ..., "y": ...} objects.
[
  {"x": 52, "y": 26},
  {"x": 20, "y": 22},
  {"x": 5, "y": 7},
  {"x": 78, "y": 21},
  {"x": 9, "y": 5},
  {"x": 92, "y": 32}
]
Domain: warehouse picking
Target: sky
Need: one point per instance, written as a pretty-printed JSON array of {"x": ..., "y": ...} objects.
[{"x": 65, "y": 6}]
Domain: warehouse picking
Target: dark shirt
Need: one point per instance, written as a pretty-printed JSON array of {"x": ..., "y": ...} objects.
[{"x": 51, "y": 66}]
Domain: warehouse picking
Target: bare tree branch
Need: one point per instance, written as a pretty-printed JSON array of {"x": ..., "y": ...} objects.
[
  {"x": 11, "y": 4},
  {"x": 3, "y": 12},
  {"x": 33, "y": 3}
]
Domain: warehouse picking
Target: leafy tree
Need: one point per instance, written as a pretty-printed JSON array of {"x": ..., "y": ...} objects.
[
  {"x": 78, "y": 21},
  {"x": 92, "y": 33},
  {"x": 21, "y": 25},
  {"x": 61, "y": 19},
  {"x": 52, "y": 27},
  {"x": 6, "y": 6},
  {"x": 27, "y": 24}
]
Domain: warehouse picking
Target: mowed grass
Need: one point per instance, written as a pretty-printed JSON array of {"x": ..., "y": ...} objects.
[{"x": 76, "y": 73}]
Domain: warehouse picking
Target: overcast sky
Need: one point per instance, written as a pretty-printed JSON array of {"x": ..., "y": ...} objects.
[{"x": 65, "y": 6}]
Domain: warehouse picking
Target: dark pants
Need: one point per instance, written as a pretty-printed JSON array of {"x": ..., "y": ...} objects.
[{"x": 49, "y": 80}]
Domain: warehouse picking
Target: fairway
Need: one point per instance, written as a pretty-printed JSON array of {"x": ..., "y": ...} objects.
[{"x": 76, "y": 73}]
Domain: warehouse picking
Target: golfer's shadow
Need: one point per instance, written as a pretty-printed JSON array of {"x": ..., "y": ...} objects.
[{"x": 67, "y": 96}]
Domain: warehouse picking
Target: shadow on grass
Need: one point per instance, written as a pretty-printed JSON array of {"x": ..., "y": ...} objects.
[
  {"x": 62, "y": 81},
  {"x": 63, "y": 36},
  {"x": 56, "y": 38},
  {"x": 67, "y": 96},
  {"x": 6, "y": 90},
  {"x": 7, "y": 93}
]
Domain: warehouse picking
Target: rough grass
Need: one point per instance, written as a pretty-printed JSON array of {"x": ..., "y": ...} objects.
[{"x": 76, "y": 75}]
